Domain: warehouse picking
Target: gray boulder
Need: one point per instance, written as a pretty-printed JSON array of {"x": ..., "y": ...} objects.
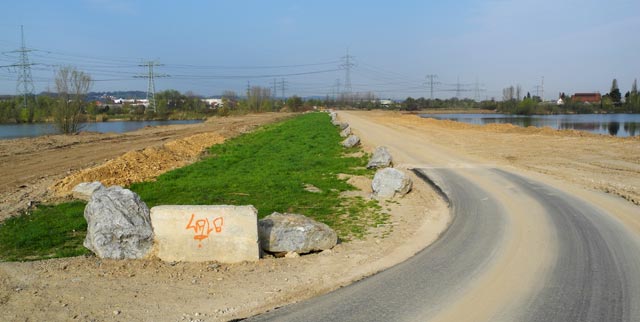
[
  {"x": 343, "y": 126},
  {"x": 118, "y": 224},
  {"x": 381, "y": 158},
  {"x": 84, "y": 190},
  {"x": 346, "y": 132},
  {"x": 333, "y": 116},
  {"x": 351, "y": 141},
  {"x": 390, "y": 182},
  {"x": 282, "y": 233}
]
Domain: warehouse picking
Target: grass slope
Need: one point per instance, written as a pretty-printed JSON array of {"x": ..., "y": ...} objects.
[{"x": 268, "y": 169}]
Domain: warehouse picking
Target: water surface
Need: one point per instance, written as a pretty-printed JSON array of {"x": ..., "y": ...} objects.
[
  {"x": 609, "y": 124},
  {"x": 13, "y": 131}
]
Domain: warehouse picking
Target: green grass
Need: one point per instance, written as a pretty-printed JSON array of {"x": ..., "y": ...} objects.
[
  {"x": 267, "y": 168},
  {"x": 48, "y": 232}
]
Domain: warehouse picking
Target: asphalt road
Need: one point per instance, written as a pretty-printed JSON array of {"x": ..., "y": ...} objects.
[{"x": 516, "y": 250}]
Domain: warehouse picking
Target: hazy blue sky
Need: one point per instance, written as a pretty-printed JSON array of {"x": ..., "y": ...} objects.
[{"x": 212, "y": 46}]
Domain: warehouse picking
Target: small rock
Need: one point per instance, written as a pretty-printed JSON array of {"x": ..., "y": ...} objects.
[
  {"x": 291, "y": 255},
  {"x": 116, "y": 312},
  {"x": 84, "y": 190},
  {"x": 381, "y": 158},
  {"x": 312, "y": 188},
  {"x": 390, "y": 182},
  {"x": 326, "y": 252},
  {"x": 346, "y": 132},
  {"x": 351, "y": 141}
]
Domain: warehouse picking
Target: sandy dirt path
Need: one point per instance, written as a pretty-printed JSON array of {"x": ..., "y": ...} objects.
[{"x": 531, "y": 245}]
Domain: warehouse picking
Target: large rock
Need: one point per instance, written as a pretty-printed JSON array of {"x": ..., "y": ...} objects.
[
  {"x": 381, "y": 158},
  {"x": 343, "y": 125},
  {"x": 333, "y": 116},
  {"x": 281, "y": 233},
  {"x": 346, "y": 132},
  {"x": 351, "y": 141},
  {"x": 390, "y": 182},
  {"x": 118, "y": 224},
  {"x": 227, "y": 234},
  {"x": 85, "y": 190}
]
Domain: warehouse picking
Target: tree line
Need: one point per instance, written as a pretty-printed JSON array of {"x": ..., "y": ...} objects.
[{"x": 514, "y": 102}]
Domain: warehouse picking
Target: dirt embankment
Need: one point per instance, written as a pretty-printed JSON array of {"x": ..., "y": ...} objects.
[
  {"x": 601, "y": 162},
  {"x": 31, "y": 165}
]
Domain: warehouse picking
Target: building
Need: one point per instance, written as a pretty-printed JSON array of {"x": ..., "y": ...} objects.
[
  {"x": 213, "y": 102},
  {"x": 586, "y": 98}
]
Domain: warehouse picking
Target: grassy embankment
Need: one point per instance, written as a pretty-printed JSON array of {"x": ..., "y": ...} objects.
[{"x": 268, "y": 169}]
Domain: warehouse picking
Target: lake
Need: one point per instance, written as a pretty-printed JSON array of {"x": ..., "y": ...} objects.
[
  {"x": 610, "y": 124},
  {"x": 13, "y": 131}
]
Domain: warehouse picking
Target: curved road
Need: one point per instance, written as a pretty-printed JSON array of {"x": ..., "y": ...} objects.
[{"x": 517, "y": 250}]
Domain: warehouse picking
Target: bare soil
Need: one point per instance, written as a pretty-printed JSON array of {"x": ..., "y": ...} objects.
[
  {"x": 31, "y": 165},
  {"x": 92, "y": 289},
  {"x": 88, "y": 288}
]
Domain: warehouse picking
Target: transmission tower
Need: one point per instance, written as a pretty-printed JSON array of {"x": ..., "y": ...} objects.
[
  {"x": 151, "y": 88},
  {"x": 283, "y": 86},
  {"x": 24, "y": 87},
  {"x": 458, "y": 88},
  {"x": 275, "y": 88},
  {"x": 431, "y": 81},
  {"x": 347, "y": 65},
  {"x": 477, "y": 89}
]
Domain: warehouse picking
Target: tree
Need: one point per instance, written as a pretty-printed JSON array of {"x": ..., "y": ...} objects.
[
  {"x": 410, "y": 104},
  {"x": 633, "y": 101},
  {"x": 259, "y": 98},
  {"x": 294, "y": 103},
  {"x": 615, "y": 94},
  {"x": 72, "y": 86}
]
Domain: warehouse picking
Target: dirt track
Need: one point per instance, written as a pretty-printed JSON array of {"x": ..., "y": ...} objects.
[{"x": 31, "y": 165}]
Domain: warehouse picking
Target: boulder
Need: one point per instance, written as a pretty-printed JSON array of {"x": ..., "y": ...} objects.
[
  {"x": 333, "y": 116},
  {"x": 222, "y": 233},
  {"x": 84, "y": 190},
  {"x": 283, "y": 233},
  {"x": 343, "y": 125},
  {"x": 346, "y": 132},
  {"x": 381, "y": 158},
  {"x": 118, "y": 224},
  {"x": 390, "y": 182},
  {"x": 351, "y": 141}
]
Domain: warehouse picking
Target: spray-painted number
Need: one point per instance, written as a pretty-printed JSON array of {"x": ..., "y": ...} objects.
[{"x": 203, "y": 227}]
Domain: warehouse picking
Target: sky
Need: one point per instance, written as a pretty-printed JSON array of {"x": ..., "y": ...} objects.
[{"x": 476, "y": 48}]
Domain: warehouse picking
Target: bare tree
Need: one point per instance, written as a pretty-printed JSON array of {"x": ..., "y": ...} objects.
[
  {"x": 72, "y": 86},
  {"x": 508, "y": 93},
  {"x": 259, "y": 99}
]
